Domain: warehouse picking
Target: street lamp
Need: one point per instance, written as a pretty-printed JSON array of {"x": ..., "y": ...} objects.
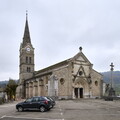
[
  {"x": 111, "y": 91},
  {"x": 112, "y": 74}
]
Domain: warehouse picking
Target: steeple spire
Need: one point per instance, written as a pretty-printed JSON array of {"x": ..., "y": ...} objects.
[
  {"x": 26, "y": 14},
  {"x": 26, "y": 37}
]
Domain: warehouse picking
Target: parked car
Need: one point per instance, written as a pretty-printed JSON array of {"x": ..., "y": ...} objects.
[
  {"x": 52, "y": 101},
  {"x": 35, "y": 103}
]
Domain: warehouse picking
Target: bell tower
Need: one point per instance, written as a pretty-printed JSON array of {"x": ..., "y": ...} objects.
[
  {"x": 26, "y": 65},
  {"x": 26, "y": 61}
]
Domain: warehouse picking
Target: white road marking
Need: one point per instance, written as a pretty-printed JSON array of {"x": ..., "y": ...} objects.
[
  {"x": 29, "y": 118},
  {"x": 3, "y": 116},
  {"x": 61, "y": 113},
  {"x": 6, "y": 106}
]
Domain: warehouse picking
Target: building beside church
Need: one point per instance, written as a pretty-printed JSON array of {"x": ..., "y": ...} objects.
[{"x": 70, "y": 79}]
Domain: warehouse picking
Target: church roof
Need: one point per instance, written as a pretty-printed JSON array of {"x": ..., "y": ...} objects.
[
  {"x": 83, "y": 57},
  {"x": 62, "y": 63},
  {"x": 50, "y": 68}
]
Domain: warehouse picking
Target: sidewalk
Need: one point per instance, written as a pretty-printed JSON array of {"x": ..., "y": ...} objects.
[{"x": 12, "y": 102}]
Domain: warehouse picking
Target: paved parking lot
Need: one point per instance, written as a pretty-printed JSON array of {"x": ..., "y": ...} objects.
[{"x": 91, "y": 109}]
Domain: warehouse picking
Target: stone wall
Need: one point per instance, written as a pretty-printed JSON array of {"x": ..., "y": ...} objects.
[
  {"x": 63, "y": 78},
  {"x": 96, "y": 84}
]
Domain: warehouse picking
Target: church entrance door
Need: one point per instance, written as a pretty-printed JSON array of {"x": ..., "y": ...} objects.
[
  {"x": 78, "y": 92},
  {"x": 81, "y": 92}
]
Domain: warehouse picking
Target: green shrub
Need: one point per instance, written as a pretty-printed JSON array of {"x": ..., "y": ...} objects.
[{"x": 1, "y": 101}]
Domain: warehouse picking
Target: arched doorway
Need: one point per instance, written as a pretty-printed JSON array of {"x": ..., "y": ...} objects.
[
  {"x": 78, "y": 92},
  {"x": 80, "y": 88}
]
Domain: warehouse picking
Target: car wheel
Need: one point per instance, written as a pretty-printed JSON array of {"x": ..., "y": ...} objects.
[
  {"x": 42, "y": 109},
  {"x": 20, "y": 108}
]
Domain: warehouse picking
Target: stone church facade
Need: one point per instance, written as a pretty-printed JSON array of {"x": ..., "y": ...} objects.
[{"x": 70, "y": 79}]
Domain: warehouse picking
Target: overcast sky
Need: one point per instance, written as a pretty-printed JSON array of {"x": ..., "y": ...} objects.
[{"x": 58, "y": 28}]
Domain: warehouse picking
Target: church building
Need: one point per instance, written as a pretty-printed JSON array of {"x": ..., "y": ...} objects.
[{"x": 69, "y": 79}]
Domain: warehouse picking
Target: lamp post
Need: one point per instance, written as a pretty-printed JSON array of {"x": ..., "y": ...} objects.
[
  {"x": 111, "y": 91},
  {"x": 112, "y": 74}
]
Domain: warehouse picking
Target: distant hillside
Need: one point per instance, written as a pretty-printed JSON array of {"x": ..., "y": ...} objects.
[
  {"x": 4, "y": 83},
  {"x": 116, "y": 80},
  {"x": 107, "y": 77}
]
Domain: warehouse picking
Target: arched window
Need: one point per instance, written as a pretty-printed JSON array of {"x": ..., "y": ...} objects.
[
  {"x": 30, "y": 59},
  {"x": 26, "y": 59},
  {"x": 41, "y": 82},
  {"x": 96, "y": 83},
  {"x": 62, "y": 81},
  {"x": 28, "y": 69}
]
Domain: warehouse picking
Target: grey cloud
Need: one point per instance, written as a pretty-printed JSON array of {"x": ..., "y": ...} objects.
[{"x": 58, "y": 28}]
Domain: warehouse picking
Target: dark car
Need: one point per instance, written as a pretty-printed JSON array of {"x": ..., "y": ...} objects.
[
  {"x": 52, "y": 101},
  {"x": 35, "y": 103}
]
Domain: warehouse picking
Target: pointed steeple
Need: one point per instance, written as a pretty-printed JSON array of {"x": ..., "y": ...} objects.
[{"x": 26, "y": 37}]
